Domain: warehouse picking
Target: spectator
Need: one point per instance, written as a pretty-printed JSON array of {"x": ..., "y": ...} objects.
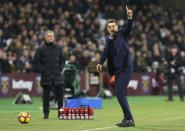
[{"x": 80, "y": 23}]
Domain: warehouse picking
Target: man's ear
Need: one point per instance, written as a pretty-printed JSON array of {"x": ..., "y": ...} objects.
[{"x": 117, "y": 26}]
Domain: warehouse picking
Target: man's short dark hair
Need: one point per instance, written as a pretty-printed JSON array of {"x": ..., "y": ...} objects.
[{"x": 110, "y": 21}]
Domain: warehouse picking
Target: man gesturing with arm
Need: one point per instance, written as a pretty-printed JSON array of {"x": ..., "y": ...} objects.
[{"x": 119, "y": 63}]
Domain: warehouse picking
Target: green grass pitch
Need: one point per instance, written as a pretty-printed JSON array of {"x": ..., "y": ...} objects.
[{"x": 151, "y": 113}]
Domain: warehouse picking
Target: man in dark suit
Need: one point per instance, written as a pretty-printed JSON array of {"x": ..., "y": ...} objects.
[
  {"x": 119, "y": 63},
  {"x": 49, "y": 61},
  {"x": 174, "y": 64}
]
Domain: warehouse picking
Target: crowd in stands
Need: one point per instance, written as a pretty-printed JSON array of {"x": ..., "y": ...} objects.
[{"x": 79, "y": 27}]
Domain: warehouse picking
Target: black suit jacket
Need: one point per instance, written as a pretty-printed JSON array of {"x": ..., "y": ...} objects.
[{"x": 122, "y": 58}]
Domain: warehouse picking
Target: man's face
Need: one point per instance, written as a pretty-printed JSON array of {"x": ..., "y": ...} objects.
[
  {"x": 112, "y": 28},
  {"x": 49, "y": 37}
]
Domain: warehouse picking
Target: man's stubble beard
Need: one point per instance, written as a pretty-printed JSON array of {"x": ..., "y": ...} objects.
[{"x": 112, "y": 33}]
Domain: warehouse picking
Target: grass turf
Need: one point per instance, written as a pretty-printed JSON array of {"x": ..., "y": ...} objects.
[{"x": 151, "y": 113}]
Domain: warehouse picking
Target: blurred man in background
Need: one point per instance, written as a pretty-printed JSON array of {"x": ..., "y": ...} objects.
[
  {"x": 174, "y": 63},
  {"x": 49, "y": 61},
  {"x": 119, "y": 63}
]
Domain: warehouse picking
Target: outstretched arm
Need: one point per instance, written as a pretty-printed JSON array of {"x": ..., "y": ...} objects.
[
  {"x": 128, "y": 28},
  {"x": 103, "y": 58}
]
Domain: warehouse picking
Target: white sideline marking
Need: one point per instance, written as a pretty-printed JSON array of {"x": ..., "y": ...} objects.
[
  {"x": 166, "y": 119},
  {"x": 173, "y": 118},
  {"x": 97, "y": 129}
]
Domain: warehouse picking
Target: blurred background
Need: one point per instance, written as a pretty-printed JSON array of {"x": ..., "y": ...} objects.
[{"x": 79, "y": 27}]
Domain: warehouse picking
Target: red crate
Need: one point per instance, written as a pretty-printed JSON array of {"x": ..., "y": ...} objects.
[{"x": 82, "y": 113}]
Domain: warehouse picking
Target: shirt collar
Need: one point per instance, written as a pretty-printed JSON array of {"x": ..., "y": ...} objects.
[{"x": 112, "y": 37}]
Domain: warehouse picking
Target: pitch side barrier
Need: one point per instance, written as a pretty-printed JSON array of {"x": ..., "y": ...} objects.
[{"x": 140, "y": 84}]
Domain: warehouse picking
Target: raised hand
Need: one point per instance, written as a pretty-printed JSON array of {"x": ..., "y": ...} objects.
[{"x": 129, "y": 12}]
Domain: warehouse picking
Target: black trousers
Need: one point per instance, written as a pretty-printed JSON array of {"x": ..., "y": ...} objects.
[
  {"x": 170, "y": 82},
  {"x": 58, "y": 94},
  {"x": 122, "y": 81}
]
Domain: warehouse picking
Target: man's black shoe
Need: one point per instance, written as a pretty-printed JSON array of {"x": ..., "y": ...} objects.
[
  {"x": 45, "y": 117},
  {"x": 126, "y": 123}
]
